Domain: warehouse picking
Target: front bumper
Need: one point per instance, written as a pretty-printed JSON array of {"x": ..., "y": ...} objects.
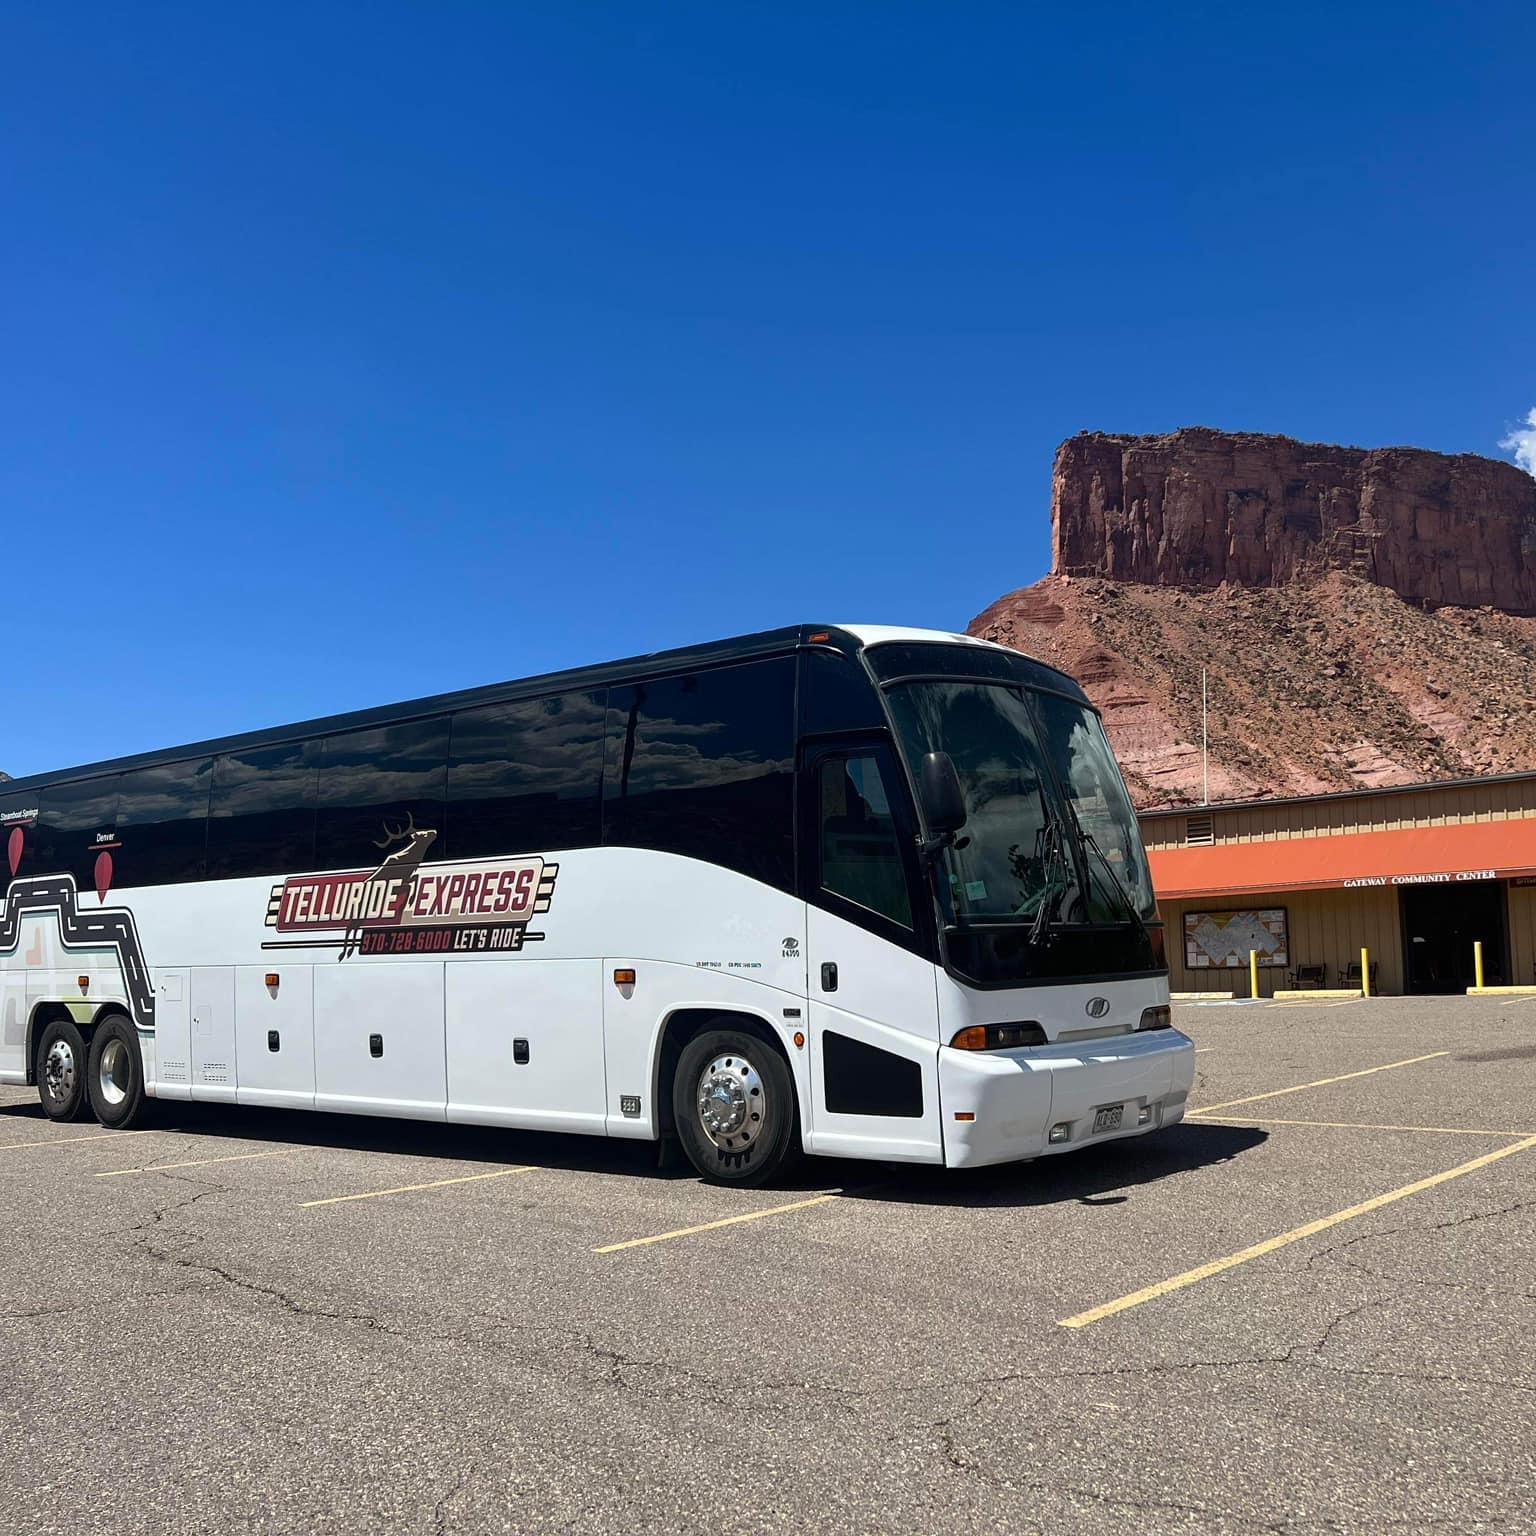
[{"x": 1017, "y": 1096}]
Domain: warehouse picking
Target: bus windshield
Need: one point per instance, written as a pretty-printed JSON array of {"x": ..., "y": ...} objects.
[{"x": 1022, "y": 848}]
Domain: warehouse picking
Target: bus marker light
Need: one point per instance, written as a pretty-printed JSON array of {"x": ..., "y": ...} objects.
[
  {"x": 85, "y": 983},
  {"x": 965, "y": 1114},
  {"x": 623, "y": 978},
  {"x": 1060, "y": 1132},
  {"x": 999, "y": 1037},
  {"x": 799, "y": 1041},
  {"x": 819, "y": 636},
  {"x": 272, "y": 980}
]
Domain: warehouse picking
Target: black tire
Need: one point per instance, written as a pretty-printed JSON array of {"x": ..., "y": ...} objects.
[
  {"x": 62, "y": 1069},
  {"x": 115, "y": 1081},
  {"x": 758, "y": 1131}
]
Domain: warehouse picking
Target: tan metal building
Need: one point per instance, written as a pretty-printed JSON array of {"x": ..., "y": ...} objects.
[{"x": 1414, "y": 875}]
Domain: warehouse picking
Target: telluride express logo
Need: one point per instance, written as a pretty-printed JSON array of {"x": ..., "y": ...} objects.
[{"x": 400, "y": 908}]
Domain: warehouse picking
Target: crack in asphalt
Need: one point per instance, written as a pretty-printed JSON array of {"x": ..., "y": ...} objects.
[
  {"x": 440, "y": 1510},
  {"x": 142, "y": 1232},
  {"x": 1335, "y": 1252}
]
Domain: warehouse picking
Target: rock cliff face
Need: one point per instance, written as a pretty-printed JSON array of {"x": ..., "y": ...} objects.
[
  {"x": 1365, "y": 617},
  {"x": 1198, "y": 507}
]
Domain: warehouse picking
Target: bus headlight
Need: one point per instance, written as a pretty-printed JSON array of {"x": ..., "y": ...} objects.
[
  {"x": 998, "y": 1037},
  {"x": 1160, "y": 1017}
]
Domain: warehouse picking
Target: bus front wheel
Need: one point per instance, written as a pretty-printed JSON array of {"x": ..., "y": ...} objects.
[
  {"x": 116, "y": 1077},
  {"x": 733, "y": 1105}
]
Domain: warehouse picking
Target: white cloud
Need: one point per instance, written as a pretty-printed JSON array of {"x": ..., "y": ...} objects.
[{"x": 1522, "y": 443}]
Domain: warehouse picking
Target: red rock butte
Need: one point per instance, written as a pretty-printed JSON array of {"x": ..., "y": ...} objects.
[
  {"x": 1197, "y": 507},
  {"x": 1365, "y": 616}
]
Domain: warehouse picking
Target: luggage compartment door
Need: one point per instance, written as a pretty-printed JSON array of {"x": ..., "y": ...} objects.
[
  {"x": 214, "y": 1063},
  {"x": 275, "y": 1036},
  {"x": 525, "y": 1044},
  {"x": 379, "y": 1039}
]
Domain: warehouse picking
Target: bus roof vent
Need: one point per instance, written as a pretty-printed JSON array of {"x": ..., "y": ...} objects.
[{"x": 1199, "y": 831}]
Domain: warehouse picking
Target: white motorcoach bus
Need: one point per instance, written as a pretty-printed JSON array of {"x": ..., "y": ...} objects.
[{"x": 864, "y": 892}]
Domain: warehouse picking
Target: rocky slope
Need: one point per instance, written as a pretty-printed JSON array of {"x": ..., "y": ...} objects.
[{"x": 1311, "y": 583}]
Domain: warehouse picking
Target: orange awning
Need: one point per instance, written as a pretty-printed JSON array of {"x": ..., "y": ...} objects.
[{"x": 1484, "y": 850}]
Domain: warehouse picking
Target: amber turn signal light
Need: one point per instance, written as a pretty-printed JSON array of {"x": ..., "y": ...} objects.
[
  {"x": 272, "y": 979},
  {"x": 623, "y": 978},
  {"x": 998, "y": 1037},
  {"x": 799, "y": 1040},
  {"x": 85, "y": 983}
]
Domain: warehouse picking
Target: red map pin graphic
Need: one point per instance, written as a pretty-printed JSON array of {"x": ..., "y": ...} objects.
[
  {"x": 103, "y": 875},
  {"x": 14, "y": 848}
]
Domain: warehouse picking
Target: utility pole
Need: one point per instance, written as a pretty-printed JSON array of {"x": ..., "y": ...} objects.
[{"x": 1205, "y": 742}]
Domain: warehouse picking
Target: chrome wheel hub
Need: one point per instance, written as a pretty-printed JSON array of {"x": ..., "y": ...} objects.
[
  {"x": 114, "y": 1075},
  {"x": 731, "y": 1102},
  {"x": 59, "y": 1071}
]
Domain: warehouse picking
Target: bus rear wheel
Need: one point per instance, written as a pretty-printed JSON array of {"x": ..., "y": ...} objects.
[
  {"x": 733, "y": 1105},
  {"x": 61, "y": 1070},
  {"x": 116, "y": 1077}
]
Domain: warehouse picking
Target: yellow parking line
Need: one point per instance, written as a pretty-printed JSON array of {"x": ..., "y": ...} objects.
[
  {"x": 201, "y": 1162},
  {"x": 724, "y": 1221},
  {"x": 406, "y": 1189},
  {"x": 1358, "y": 1125},
  {"x": 1322, "y": 1082},
  {"x": 1295, "y": 1235},
  {"x": 70, "y": 1141}
]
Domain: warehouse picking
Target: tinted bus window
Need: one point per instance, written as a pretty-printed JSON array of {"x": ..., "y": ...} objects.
[
  {"x": 526, "y": 777},
  {"x": 74, "y": 821},
  {"x": 162, "y": 823},
  {"x": 702, "y": 765},
  {"x": 18, "y": 831},
  {"x": 861, "y": 857},
  {"x": 836, "y": 695},
  {"x": 261, "y": 814},
  {"x": 377, "y": 787}
]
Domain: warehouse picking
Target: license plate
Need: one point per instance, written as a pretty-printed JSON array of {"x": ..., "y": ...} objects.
[{"x": 1108, "y": 1119}]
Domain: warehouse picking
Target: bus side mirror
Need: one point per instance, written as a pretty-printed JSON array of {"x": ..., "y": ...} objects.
[{"x": 943, "y": 799}]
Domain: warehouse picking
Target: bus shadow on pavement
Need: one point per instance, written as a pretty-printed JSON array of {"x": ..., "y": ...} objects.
[
  {"x": 1101, "y": 1175},
  {"x": 1098, "y": 1175},
  {"x": 380, "y": 1135}
]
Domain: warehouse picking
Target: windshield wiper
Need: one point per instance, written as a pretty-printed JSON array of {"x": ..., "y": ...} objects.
[
  {"x": 1055, "y": 867},
  {"x": 1114, "y": 879}
]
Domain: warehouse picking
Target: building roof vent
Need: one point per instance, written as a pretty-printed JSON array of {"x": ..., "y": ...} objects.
[{"x": 1199, "y": 831}]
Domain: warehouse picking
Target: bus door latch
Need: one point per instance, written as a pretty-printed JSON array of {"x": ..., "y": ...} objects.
[{"x": 829, "y": 976}]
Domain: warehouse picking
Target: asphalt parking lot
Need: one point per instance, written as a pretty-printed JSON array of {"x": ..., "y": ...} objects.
[{"x": 1311, "y": 1307}]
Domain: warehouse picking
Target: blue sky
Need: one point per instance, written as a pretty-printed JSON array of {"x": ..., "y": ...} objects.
[{"x": 355, "y": 352}]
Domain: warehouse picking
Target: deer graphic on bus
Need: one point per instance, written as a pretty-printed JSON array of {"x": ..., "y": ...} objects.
[{"x": 404, "y": 860}]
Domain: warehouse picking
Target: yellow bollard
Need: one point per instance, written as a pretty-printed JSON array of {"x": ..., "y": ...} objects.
[
  {"x": 1365, "y": 971},
  {"x": 1477, "y": 962},
  {"x": 1253, "y": 974}
]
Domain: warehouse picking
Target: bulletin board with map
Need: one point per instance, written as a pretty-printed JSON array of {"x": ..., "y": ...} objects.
[{"x": 1221, "y": 940}]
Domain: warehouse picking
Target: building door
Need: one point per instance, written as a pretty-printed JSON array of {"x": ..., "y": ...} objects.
[{"x": 1440, "y": 925}]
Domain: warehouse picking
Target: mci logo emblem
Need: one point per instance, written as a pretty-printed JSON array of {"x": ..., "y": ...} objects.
[{"x": 1096, "y": 1007}]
